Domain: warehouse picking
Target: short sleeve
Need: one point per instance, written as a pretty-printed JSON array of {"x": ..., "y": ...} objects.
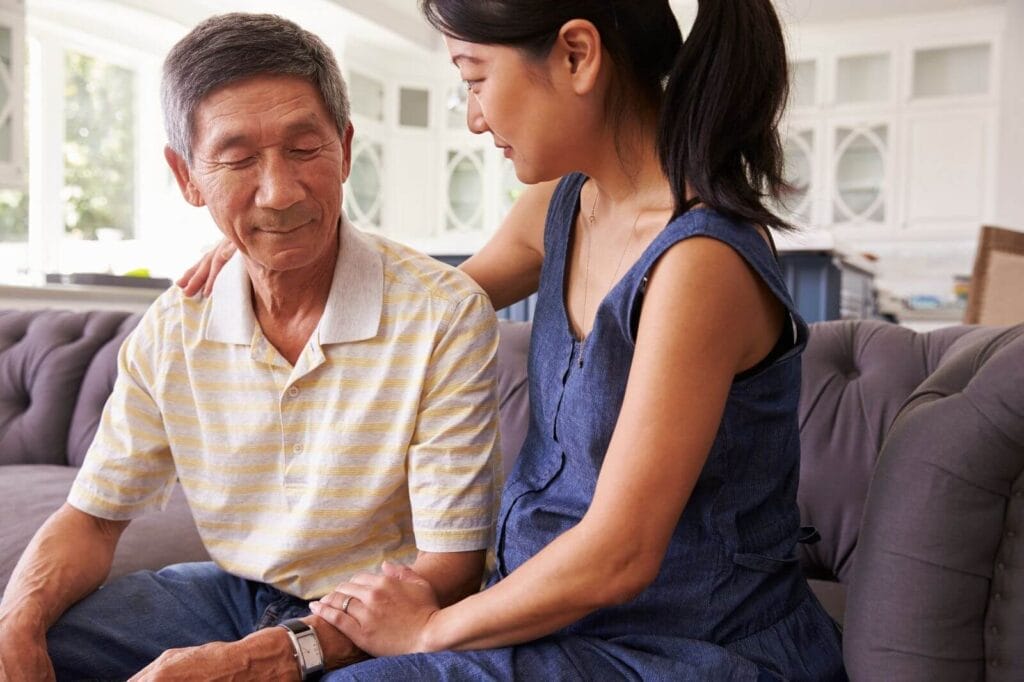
[
  {"x": 128, "y": 469},
  {"x": 454, "y": 458}
]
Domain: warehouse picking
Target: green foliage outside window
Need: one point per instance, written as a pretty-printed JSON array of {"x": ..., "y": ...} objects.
[
  {"x": 99, "y": 147},
  {"x": 13, "y": 215}
]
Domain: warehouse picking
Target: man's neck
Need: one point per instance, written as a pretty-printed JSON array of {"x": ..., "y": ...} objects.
[{"x": 289, "y": 305}]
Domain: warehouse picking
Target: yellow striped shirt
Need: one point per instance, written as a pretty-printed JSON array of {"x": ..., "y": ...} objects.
[{"x": 381, "y": 440}]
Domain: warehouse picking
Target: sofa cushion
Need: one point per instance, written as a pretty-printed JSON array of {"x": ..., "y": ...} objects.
[
  {"x": 96, "y": 388},
  {"x": 856, "y": 376},
  {"x": 936, "y": 592},
  {"x": 30, "y": 493},
  {"x": 513, "y": 390},
  {"x": 43, "y": 358}
]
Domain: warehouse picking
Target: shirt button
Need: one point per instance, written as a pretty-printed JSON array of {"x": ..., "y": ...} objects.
[
  {"x": 297, "y": 448},
  {"x": 293, "y": 391}
]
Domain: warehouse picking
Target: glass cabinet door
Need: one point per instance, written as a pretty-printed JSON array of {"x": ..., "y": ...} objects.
[
  {"x": 465, "y": 191},
  {"x": 366, "y": 185},
  {"x": 798, "y": 151},
  {"x": 861, "y": 155}
]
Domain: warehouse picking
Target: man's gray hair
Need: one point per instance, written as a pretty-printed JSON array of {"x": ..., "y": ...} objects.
[{"x": 231, "y": 47}]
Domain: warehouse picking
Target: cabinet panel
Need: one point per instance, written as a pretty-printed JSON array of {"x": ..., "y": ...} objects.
[{"x": 947, "y": 161}]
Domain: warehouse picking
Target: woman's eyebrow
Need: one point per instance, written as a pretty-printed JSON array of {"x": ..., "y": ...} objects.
[{"x": 456, "y": 58}]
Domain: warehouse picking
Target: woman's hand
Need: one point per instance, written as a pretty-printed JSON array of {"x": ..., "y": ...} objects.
[
  {"x": 387, "y": 614},
  {"x": 203, "y": 274}
]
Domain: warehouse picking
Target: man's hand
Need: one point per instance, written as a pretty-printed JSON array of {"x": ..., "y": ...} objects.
[
  {"x": 216, "y": 662},
  {"x": 23, "y": 656},
  {"x": 266, "y": 654}
]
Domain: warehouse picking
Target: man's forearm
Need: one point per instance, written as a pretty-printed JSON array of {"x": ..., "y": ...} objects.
[
  {"x": 69, "y": 557},
  {"x": 453, "y": 575}
]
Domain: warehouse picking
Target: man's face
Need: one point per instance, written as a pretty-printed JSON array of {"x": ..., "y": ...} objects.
[{"x": 269, "y": 164}]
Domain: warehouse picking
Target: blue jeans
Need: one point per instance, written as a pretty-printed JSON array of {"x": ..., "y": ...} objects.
[{"x": 125, "y": 625}]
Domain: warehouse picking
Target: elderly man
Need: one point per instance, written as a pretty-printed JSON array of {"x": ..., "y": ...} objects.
[{"x": 329, "y": 408}]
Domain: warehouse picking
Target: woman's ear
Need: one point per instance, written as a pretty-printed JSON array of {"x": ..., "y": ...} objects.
[{"x": 578, "y": 48}]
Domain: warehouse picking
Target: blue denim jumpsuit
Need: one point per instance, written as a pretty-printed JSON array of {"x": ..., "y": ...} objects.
[{"x": 730, "y": 602}]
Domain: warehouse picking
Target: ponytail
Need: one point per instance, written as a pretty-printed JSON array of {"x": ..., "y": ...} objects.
[{"x": 718, "y": 129}]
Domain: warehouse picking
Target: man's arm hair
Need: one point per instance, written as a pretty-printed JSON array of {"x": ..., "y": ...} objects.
[{"x": 68, "y": 558}]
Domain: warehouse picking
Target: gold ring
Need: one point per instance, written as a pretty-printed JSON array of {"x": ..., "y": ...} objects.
[{"x": 344, "y": 604}]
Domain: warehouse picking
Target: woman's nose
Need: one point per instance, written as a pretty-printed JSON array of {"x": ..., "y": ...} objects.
[{"x": 475, "y": 116}]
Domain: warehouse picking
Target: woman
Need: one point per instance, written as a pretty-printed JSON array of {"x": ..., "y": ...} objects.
[{"x": 648, "y": 529}]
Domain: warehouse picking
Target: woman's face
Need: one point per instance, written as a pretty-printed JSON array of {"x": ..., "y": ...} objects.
[{"x": 524, "y": 104}]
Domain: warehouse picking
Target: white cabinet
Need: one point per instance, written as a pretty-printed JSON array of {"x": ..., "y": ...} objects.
[
  {"x": 890, "y": 140},
  {"x": 12, "y": 94},
  {"x": 418, "y": 175}
]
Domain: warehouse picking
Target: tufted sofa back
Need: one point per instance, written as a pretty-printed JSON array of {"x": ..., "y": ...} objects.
[
  {"x": 856, "y": 377},
  {"x": 56, "y": 370},
  {"x": 911, "y": 463},
  {"x": 938, "y": 587}
]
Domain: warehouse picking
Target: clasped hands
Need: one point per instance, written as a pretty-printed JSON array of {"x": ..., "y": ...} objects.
[{"x": 387, "y": 614}]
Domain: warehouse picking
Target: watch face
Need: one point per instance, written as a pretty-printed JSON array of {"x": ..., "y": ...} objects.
[{"x": 310, "y": 650}]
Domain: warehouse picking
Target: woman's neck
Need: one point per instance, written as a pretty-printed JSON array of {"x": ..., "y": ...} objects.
[{"x": 626, "y": 171}]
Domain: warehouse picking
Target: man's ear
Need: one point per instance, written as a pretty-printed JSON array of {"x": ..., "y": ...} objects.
[
  {"x": 346, "y": 152},
  {"x": 579, "y": 49},
  {"x": 183, "y": 175}
]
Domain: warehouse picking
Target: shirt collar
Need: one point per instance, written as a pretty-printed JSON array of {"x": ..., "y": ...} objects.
[{"x": 354, "y": 305}]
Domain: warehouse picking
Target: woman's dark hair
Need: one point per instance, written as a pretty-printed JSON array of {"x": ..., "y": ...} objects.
[{"x": 720, "y": 93}]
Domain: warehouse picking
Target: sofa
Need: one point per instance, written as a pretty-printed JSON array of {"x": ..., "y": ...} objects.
[{"x": 913, "y": 452}]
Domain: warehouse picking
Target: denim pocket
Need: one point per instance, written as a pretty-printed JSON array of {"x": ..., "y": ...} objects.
[{"x": 531, "y": 480}]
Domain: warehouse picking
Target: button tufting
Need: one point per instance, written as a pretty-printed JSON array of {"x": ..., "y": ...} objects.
[
  {"x": 1011, "y": 534},
  {"x": 998, "y": 596},
  {"x": 993, "y": 630},
  {"x": 1001, "y": 566}
]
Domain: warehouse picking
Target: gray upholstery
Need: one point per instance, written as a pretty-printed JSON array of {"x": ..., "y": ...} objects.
[
  {"x": 513, "y": 390},
  {"x": 937, "y": 590},
  {"x": 29, "y": 493},
  {"x": 43, "y": 358},
  {"x": 922, "y": 435},
  {"x": 56, "y": 370},
  {"x": 856, "y": 376}
]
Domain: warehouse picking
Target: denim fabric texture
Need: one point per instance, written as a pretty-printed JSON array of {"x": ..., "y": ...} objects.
[
  {"x": 730, "y": 602},
  {"x": 125, "y": 625}
]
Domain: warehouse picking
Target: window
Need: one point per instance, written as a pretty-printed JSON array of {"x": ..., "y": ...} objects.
[{"x": 99, "y": 149}]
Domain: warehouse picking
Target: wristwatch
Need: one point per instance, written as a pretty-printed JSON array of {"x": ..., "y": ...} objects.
[{"x": 307, "y": 647}]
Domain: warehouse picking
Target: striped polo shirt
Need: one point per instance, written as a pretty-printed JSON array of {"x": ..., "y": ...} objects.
[{"x": 381, "y": 440}]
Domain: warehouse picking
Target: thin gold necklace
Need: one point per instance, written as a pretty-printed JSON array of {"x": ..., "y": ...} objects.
[{"x": 586, "y": 277}]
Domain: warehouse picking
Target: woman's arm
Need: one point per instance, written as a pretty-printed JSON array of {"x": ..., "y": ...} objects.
[
  {"x": 508, "y": 265},
  {"x": 706, "y": 317}
]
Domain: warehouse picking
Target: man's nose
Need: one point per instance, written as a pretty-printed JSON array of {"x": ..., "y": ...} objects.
[
  {"x": 280, "y": 186},
  {"x": 475, "y": 116}
]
